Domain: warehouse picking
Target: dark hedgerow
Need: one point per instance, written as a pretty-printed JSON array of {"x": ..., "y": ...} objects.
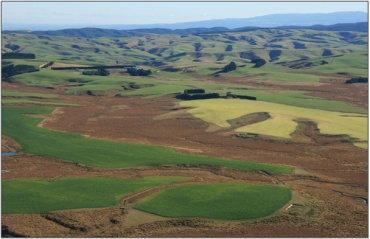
[
  {"x": 357, "y": 80},
  {"x": 11, "y": 70},
  {"x": 138, "y": 72}
]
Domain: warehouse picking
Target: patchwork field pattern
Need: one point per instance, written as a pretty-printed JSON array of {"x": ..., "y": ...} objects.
[{"x": 122, "y": 156}]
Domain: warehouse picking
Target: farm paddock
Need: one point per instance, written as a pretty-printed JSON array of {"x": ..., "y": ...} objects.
[{"x": 329, "y": 184}]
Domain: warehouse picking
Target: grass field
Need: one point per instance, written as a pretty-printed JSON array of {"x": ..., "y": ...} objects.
[
  {"x": 34, "y": 102},
  {"x": 103, "y": 153},
  {"x": 296, "y": 98},
  {"x": 165, "y": 83},
  {"x": 351, "y": 63},
  {"x": 282, "y": 122},
  {"x": 46, "y": 78},
  {"x": 345, "y": 56},
  {"x": 230, "y": 201},
  {"x": 19, "y": 94},
  {"x": 41, "y": 195}
]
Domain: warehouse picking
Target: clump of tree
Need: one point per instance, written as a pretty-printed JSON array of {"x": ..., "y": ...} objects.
[
  {"x": 12, "y": 47},
  {"x": 11, "y": 70},
  {"x": 258, "y": 62},
  {"x": 229, "y": 67},
  {"x": 18, "y": 56},
  {"x": 229, "y": 48},
  {"x": 98, "y": 72},
  {"x": 194, "y": 91},
  {"x": 197, "y": 94},
  {"x": 246, "y": 97},
  {"x": 357, "y": 80},
  {"x": 138, "y": 72},
  {"x": 50, "y": 63},
  {"x": 198, "y": 46}
]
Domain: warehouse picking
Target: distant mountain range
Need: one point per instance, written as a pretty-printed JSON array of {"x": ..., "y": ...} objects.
[
  {"x": 99, "y": 32},
  {"x": 274, "y": 20}
]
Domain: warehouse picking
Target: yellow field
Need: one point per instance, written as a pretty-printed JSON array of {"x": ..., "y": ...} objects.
[{"x": 281, "y": 123}]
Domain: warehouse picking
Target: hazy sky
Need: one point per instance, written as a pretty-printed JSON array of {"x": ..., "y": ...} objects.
[{"x": 101, "y": 13}]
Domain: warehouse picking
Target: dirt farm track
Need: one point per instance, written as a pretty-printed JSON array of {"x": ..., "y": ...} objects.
[{"x": 330, "y": 183}]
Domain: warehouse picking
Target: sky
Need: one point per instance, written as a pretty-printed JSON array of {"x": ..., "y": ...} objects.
[{"x": 105, "y": 13}]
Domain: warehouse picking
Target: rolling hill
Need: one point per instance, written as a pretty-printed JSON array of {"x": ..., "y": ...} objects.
[{"x": 290, "y": 47}]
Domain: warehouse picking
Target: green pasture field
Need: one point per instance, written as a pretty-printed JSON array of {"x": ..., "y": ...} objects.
[
  {"x": 165, "y": 83},
  {"x": 353, "y": 64},
  {"x": 157, "y": 90},
  {"x": 272, "y": 72},
  {"x": 298, "y": 99},
  {"x": 20, "y": 94},
  {"x": 15, "y": 97},
  {"x": 173, "y": 76},
  {"x": 31, "y": 62},
  {"x": 26, "y": 196},
  {"x": 47, "y": 78},
  {"x": 283, "y": 118},
  {"x": 24, "y": 101},
  {"x": 102, "y": 153},
  {"x": 227, "y": 201}
]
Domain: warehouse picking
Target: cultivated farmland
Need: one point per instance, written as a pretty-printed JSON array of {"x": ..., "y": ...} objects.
[
  {"x": 219, "y": 201},
  {"x": 282, "y": 118},
  {"x": 118, "y": 155}
]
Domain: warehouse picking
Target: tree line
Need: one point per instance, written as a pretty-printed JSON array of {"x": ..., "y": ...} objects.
[
  {"x": 357, "y": 80},
  {"x": 199, "y": 94},
  {"x": 13, "y": 55},
  {"x": 10, "y": 70},
  {"x": 98, "y": 72},
  {"x": 92, "y": 67},
  {"x": 138, "y": 72}
]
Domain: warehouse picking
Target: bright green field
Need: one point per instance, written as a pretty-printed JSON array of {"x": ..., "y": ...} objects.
[
  {"x": 21, "y": 101},
  {"x": 282, "y": 122},
  {"x": 297, "y": 98},
  {"x": 102, "y": 153},
  {"x": 17, "y": 97},
  {"x": 231, "y": 201},
  {"x": 19, "y": 94},
  {"x": 41, "y": 195}
]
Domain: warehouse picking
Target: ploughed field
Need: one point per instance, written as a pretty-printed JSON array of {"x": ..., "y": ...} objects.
[{"x": 120, "y": 156}]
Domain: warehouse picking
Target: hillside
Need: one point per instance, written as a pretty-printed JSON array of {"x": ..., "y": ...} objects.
[
  {"x": 178, "y": 61},
  {"x": 288, "y": 47}
]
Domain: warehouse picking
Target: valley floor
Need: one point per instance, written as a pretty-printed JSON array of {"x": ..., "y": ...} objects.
[{"x": 330, "y": 183}]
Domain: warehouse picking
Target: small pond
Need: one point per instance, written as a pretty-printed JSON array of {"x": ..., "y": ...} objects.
[{"x": 8, "y": 154}]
